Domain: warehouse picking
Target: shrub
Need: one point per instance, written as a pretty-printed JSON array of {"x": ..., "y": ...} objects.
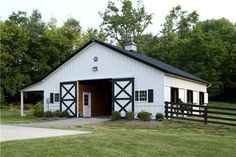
[
  {"x": 81, "y": 114},
  {"x": 129, "y": 115},
  {"x": 115, "y": 115},
  {"x": 38, "y": 111},
  {"x": 38, "y": 107},
  {"x": 3, "y": 106},
  {"x": 48, "y": 114},
  {"x": 139, "y": 115},
  {"x": 57, "y": 113},
  {"x": 66, "y": 114},
  {"x": 145, "y": 116},
  {"x": 28, "y": 106},
  {"x": 159, "y": 116}
]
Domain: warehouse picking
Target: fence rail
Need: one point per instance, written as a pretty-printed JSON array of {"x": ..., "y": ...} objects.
[{"x": 206, "y": 114}]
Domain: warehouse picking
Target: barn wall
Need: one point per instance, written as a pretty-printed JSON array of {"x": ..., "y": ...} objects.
[
  {"x": 110, "y": 65},
  {"x": 183, "y": 85}
]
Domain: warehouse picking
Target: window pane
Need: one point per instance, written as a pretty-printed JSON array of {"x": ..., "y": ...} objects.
[
  {"x": 143, "y": 95},
  {"x": 86, "y": 100},
  {"x": 56, "y": 97}
]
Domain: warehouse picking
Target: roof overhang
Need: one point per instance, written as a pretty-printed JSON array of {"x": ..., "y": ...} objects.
[{"x": 184, "y": 78}]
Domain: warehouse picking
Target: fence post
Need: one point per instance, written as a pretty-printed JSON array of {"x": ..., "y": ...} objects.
[
  {"x": 177, "y": 110},
  {"x": 166, "y": 110},
  {"x": 171, "y": 110},
  {"x": 205, "y": 114}
]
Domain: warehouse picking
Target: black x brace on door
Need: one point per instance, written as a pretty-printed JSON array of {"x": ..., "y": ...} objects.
[
  {"x": 123, "y": 95},
  {"x": 68, "y": 97}
]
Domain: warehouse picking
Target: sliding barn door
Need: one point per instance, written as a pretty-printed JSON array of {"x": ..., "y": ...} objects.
[
  {"x": 68, "y": 97},
  {"x": 123, "y": 95}
]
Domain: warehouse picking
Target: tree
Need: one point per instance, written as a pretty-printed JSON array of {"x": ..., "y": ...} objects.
[
  {"x": 203, "y": 56},
  {"x": 13, "y": 65},
  {"x": 125, "y": 23},
  {"x": 180, "y": 22},
  {"x": 174, "y": 36},
  {"x": 223, "y": 32},
  {"x": 92, "y": 33},
  {"x": 205, "y": 49}
]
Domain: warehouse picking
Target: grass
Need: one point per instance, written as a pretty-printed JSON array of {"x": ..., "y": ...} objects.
[
  {"x": 133, "y": 138},
  {"x": 129, "y": 139},
  {"x": 11, "y": 115},
  {"x": 223, "y": 104}
]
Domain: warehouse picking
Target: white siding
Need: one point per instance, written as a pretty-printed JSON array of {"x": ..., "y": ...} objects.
[
  {"x": 114, "y": 65},
  {"x": 182, "y": 94},
  {"x": 184, "y": 85},
  {"x": 35, "y": 87},
  {"x": 195, "y": 97},
  {"x": 110, "y": 65},
  {"x": 167, "y": 93},
  {"x": 205, "y": 98}
]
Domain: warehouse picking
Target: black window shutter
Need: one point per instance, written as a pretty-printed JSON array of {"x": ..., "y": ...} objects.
[
  {"x": 150, "y": 95},
  {"x": 51, "y": 97}
]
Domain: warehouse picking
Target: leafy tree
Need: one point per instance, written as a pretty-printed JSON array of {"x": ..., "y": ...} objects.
[
  {"x": 205, "y": 49},
  {"x": 123, "y": 23},
  {"x": 19, "y": 18},
  {"x": 203, "y": 56},
  {"x": 92, "y": 33},
  {"x": 174, "y": 36},
  {"x": 180, "y": 22},
  {"x": 14, "y": 60},
  {"x": 31, "y": 48},
  {"x": 223, "y": 32}
]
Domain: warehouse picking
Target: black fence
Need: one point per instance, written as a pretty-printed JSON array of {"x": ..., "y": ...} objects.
[{"x": 204, "y": 113}]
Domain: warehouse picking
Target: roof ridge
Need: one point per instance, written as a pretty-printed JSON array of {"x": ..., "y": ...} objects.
[
  {"x": 135, "y": 55},
  {"x": 153, "y": 62}
]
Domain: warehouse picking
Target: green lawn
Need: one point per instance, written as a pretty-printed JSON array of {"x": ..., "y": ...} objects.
[
  {"x": 132, "y": 138},
  {"x": 223, "y": 104},
  {"x": 11, "y": 115}
]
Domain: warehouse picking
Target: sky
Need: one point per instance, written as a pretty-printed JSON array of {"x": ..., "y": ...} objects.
[{"x": 86, "y": 11}]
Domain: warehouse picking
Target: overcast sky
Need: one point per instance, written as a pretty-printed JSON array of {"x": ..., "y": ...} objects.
[{"x": 86, "y": 11}]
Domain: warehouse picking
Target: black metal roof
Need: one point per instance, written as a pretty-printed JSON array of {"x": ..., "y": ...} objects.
[
  {"x": 139, "y": 57},
  {"x": 130, "y": 43},
  {"x": 153, "y": 62}
]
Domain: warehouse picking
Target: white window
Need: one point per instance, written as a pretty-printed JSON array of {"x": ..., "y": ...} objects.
[
  {"x": 56, "y": 97},
  {"x": 141, "y": 95}
]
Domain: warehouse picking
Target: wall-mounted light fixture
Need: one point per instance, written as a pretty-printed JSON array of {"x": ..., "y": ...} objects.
[
  {"x": 95, "y": 59},
  {"x": 95, "y": 68}
]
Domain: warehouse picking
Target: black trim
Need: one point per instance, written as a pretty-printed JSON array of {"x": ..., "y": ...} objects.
[
  {"x": 201, "y": 98},
  {"x": 189, "y": 96},
  {"x": 74, "y": 97},
  {"x": 130, "y": 98},
  {"x": 174, "y": 95},
  {"x": 134, "y": 55},
  {"x": 51, "y": 98},
  {"x": 150, "y": 95}
]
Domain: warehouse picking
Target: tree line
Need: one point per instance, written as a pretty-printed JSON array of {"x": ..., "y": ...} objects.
[{"x": 30, "y": 48}]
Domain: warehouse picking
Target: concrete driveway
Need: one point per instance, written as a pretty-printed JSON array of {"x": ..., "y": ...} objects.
[
  {"x": 10, "y": 133},
  {"x": 65, "y": 123}
]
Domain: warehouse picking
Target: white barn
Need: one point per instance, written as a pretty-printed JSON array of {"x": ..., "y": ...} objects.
[{"x": 100, "y": 78}]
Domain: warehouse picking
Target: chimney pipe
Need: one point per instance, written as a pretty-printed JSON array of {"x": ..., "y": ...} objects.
[{"x": 131, "y": 46}]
